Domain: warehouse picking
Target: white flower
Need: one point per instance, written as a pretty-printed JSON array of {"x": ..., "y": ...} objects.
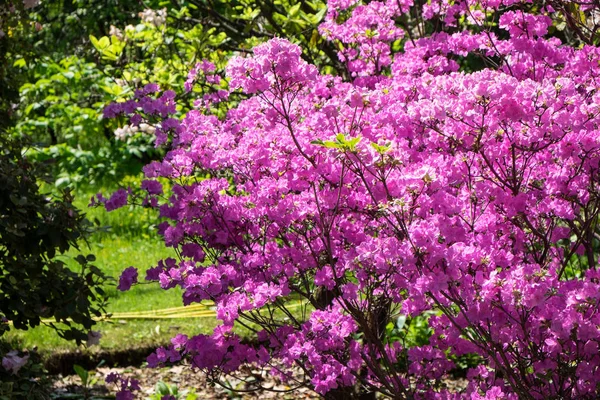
[
  {"x": 154, "y": 17},
  {"x": 114, "y": 31},
  {"x": 147, "y": 128},
  {"x": 125, "y": 131}
]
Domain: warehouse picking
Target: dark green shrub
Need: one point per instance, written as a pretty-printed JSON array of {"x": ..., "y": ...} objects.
[{"x": 35, "y": 227}]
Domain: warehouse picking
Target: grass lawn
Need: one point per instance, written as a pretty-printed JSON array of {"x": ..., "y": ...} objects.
[{"x": 131, "y": 241}]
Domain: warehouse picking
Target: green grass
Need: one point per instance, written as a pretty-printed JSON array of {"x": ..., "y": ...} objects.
[
  {"x": 113, "y": 254},
  {"x": 131, "y": 241}
]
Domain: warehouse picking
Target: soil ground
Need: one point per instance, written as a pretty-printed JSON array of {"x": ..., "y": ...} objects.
[
  {"x": 181, "y": 376},
  {"x": 190, "y": 381}
]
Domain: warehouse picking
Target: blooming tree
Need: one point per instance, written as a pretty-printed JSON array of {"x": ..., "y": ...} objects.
[{"x": 319, "y": 209}]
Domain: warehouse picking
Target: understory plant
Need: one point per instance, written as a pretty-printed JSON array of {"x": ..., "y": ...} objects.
[
  {"x": 37, "y": 228},
  {"x": 453, "y": 176}
]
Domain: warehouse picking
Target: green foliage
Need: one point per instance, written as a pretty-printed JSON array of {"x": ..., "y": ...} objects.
[
  {"x": 62, "y": 102},
  {"x": 30, "y": 382},
  {"x": 76, "y": 167},
  {"x": 110, "y": 48},
  {"x": 71, "y": 58},
  {"x": 165, "y": 389},
  {"x": 82, "y": 373},
  {"x": 61, "y": 110},
  {"x": 87, "y": 379},
  {"x": 127, "y": 243},
  {"x": 408, "y": 331},
  {"x": 34, "y": 228},
  {"x": 341, "y": 142}
]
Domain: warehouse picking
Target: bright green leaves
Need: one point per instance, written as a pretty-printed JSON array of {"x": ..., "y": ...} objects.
[
  {"x": 114, "y": 89},
  {"x": 341, "y": 142},
  {"x": 101, "y": 44},
  {"x": 20, "y": 63},
  {"x": 298, "y": 16},
  {"x": 316, "y": 18},
  {"x": 344, "y": 143},
  {"x": 381, "y": 149},
  {"x": 216, "y": 39},
  {"x": 249, "y": 14},
  {"x": 110, "y": 49},
  {"x": 61, "y": 102}
]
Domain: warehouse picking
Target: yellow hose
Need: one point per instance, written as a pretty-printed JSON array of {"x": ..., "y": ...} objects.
[{"x": 191, "y": 311}]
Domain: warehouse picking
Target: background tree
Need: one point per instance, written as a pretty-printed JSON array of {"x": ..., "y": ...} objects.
[{"x": 34, "y": 228}]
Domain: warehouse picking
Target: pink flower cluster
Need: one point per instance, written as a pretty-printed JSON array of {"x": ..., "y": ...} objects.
[
  {"x": 319, "y": 208},
  {"x": 147, "y": 101},
  {"x": 127, "y": 279},
  {"x": 126, "y": 386},
  {"x": 273, "y": 65}
]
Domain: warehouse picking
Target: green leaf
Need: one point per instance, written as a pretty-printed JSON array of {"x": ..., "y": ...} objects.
[
  {"x": 94, "y": 41},
  {"x": 18, "y": 200},
  {"x": 314, "y": 39},
  {"x": 109, "y": 55},
  {"x": 20, "y": 63},
  {"x": 82, "y": 373},
  {"x": 162, "y": 389},
  {"x": 389, "y": 328},
  {"x": 62, "y": 182},
  {"x": 293, "y": 11},
  {"x": 316, "y": 18},
  {"x": 100, "y": 44},
  {"x": 115, "y": 40},
  {"x": 104, "y": 42},
  {"x": 381, "y": 149},
  {"x": 353, "y": 142},
  {"x": 332, "y": 145}
]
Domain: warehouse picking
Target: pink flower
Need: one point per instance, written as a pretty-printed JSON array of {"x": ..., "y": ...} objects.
[
  {"x": 12, "y": 362},
  {"x": 117, "y": 200},
  {"x": 462, "y": 198},
  {"x": 93, "y": 338},
  {"x": 152, "y": 187},
  {"x": 128, "y": 278}
]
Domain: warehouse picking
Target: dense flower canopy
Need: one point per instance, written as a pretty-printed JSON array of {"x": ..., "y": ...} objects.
[{"x": 416, "y": 188}]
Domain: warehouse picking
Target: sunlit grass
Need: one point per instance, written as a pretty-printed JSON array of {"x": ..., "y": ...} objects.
[{"x": 130, "y": 241}]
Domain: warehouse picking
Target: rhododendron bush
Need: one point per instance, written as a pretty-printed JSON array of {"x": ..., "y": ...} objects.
[{"x": 416, "y": 188}]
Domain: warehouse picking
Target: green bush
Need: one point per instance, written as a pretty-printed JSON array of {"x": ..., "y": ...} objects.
[{"x": 34, "y": 228}]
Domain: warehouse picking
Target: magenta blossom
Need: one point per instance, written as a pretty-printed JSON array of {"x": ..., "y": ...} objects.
[
  {"x": 320, "y": 209},
  {"x": 128, "y": 277}
]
